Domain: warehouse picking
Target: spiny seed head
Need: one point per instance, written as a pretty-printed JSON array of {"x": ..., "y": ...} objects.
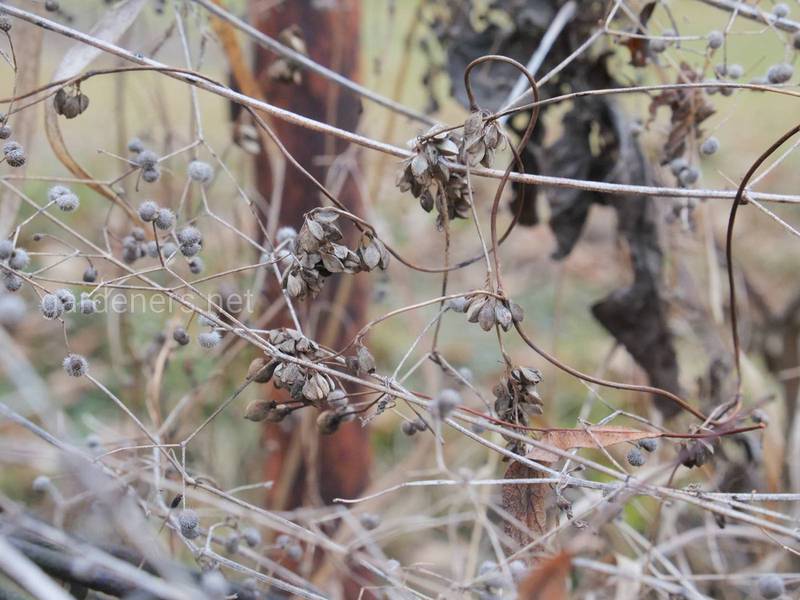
[
  {"x": 41, "y": 484},
  {"x": 12, "y": 310},
  {"x": 780, "y": 73},
  {"x": 12, "y": 281},
  {"x": 137, "y": 233},
  {"x": 168, "y": 249},
  {"x": 189, "y": 235},
  {"x": 5, "y": 23},
  {"x": 67, "y": 298},
  {"x": 87, "y": 305},
  {"x": 147, "y": 159},
  {"x": 189, "y": 522},
  {"x": 16, "y": 158},
  {"x": 677, "y": 165},
  {"x": 780, "y": 10},
  {"x": 688, "y": 176},
  {"x": 648, "y": 445},
  {"x": 57, "y": 190},
  {"x": 68, "y": 202},
  {"x": 710, "y": 146},
  {"x": 148, "y": 211},
  {"x": 6, "y": 248},
  {"x": 408, "y": 428},
  {"x": 285, "y": 233},
  {"x": 635, "y": 457},
  {"x": 90, "y": 274},
  {"x": 151, "y": 175},
  {"x": 771, "y": 586},
  {"x": 19, "y": 259},
  {"x": 200, "y": 171},
  {"x": 196, "y": 265},
  {"x": 447, "y": 400},
  {"x": 735, "y": 71},
  {"x": 135, "y": 145},
  {"x": 165, "y": 219},
  {"x": 209, "y": 339},
  {"x": 369, "y": 520},
  {"x": 151, "y": 248},
  {"x": 51, "y": 306},
  {"x": 190, "y": 249},
  {"x": 10, "y": 146},
  {"x": 715, "y": 39},
  {"x": 180, "y": 336},
  {"x": 5, "y": 130},
  {"x": 75, "y": 365},
  {"x": 252, "y": 536}
]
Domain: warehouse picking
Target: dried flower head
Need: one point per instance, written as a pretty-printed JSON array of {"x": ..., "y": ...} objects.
[
  {"x": 180, "y": 336},
  {"x": 6, "y": 249},
  {"x": 67, "y": 298},
  {"x": 165, "y": 219},
  {"x": 51, "y": 306},
  {"x": 209, "y": 339},
  {"x": 189, "y": 523},
  {"x": 19, "y": 259},
  {"x": 87, "y": 305},
  {"x": 200, "y": 171},
  {"x": 148, "y": 211},
  {"x": 75, "y": 365}
]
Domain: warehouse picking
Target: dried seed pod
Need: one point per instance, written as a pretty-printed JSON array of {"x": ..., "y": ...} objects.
[
  {"x": 6, "y": 249},
  {"x": 261, "y": 369},
  {"x": 486, "y": 317},
  {"x": 87, "y": 305},
  {"x": 502, "y": 316},
  {"x": 67, "y": 299},
  {"x": 151, "y": 175},
  {"x": 148, "y": 211},
  {"x": 251, "y": 536},
  {"x": 200, "y": 171},
  {"x": 165, "y": 219},
  {"x": 258, "y": 410},
  {"x": 635, "y": 457},
  {"x": 337, "y": 400},
  {"x": 517, "y": 314},
  {"x": 447, "y": 401}
]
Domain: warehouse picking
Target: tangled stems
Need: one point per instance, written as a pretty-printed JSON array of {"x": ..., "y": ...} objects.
[{"x": 523, "y": 142}]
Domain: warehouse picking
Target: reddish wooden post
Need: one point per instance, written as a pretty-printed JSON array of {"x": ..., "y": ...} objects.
[{"x": 300, "y": 460}]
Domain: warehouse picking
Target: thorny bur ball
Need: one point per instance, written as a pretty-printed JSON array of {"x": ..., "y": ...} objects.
[
  {"x": 285, "y": 234},
  {"x": 189, "y": 523},
  {"x": 780, "y": 73},
  {"x": 447, "y": 401},
  {"x": 209, "y": 339},
  {"x": 147, "y": 159},
  {"x": 12, "y": 310},
  {"x": 635, "y": 457},
  {"x": 5, "y": 132},
  {"x": 771, "y": 586},
  {"x": 180, "y": 336},
  {"x": 715, "y": 39},
  {"x": 90, "y": 274},
  {"x": 87, "y": 305},
  {"x": 6, "y": 249},
  {"x": 51, "y": 306},
  {"x": 12, "y": 281},
  {"x": 151, "y": 175},
  {"x": 75, "y": 365},
  {"x": 67, "y": 299},
  {"x": 14, "y": 153},
  {"x": 710, "y": 146},
  {"x": 148, "y": 210},
  {"x": 200, "y": 171},
  {"x": 135, "y": 146},
  {"x": 196, "y": 265},
  {"x": 165, "y": 219},
  {"x": 649, "y": 445}
]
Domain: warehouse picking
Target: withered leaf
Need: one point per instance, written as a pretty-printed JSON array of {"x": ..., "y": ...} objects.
[
  {"x": 527, "y": 503},
  {"x": 548, "y": 580},
  {"x": 592, "y": 437}
]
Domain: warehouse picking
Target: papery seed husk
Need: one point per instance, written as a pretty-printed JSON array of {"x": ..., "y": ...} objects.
[
  {"x": 475, "y": 307},
  {"x": 258, "y": 410},
  {"x": 517, "y": 314},
  {"x": 486, "y": 317},
  {"x": 502, "y": 315},
  {"x": 419, "y": 165},
  {"x": 315, "y": 229}
]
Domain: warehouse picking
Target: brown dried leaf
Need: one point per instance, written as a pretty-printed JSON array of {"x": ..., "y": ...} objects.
[
  {"x": 548, "y": 581},
  {"x": 565, "y": 439},
  {"x": 525, "y": 502}
]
